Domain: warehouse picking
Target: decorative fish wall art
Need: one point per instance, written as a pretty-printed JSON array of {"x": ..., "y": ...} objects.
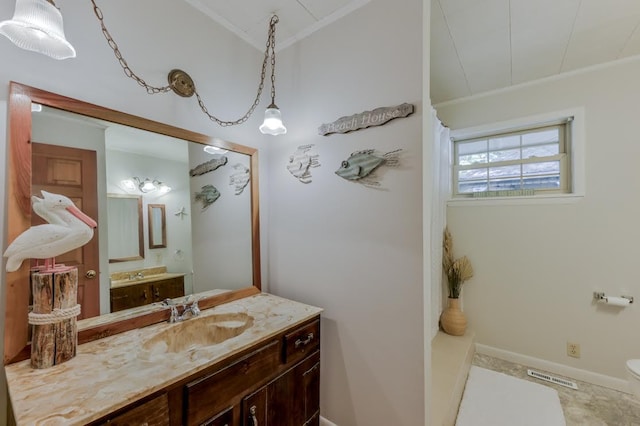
[
  {"x": 360, "y": 165},
  {"x": 301, "y": 161},
  {"x": 240, "y": 178},
  {"x": 207, "y": 195},
  {"x": 209, "y": 166}
]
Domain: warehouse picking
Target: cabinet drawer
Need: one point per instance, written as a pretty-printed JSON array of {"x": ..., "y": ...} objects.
[
  {"x": 301, "y": 341},
  {"x": 152, "y": 413},
  {"x": 211, "y": 394}
]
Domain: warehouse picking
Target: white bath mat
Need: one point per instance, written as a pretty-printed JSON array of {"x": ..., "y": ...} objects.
[{"x": 496, "y": 399}]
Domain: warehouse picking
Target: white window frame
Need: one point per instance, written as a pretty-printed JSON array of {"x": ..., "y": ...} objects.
[{"x": 575, "y": 143}]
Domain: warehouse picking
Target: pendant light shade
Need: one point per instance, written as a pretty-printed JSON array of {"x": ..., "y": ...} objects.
[
  {"x": 272, "y": 124},
  {"x": 37, "y": 26}
]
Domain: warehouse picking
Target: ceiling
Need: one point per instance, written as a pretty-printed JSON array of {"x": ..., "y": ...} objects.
[
  {"x": 298, "y": 18},
  {"x": 476, "y": 45},
  {"x": 483, "y": 45}
]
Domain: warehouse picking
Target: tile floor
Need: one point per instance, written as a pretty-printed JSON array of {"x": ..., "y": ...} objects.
[{"x": 590, "y": 405}]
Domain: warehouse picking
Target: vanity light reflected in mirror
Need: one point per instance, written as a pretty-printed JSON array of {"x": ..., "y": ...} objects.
[
  {"x": 157, "y": 226},
  {"x": 145, "y": 186}
]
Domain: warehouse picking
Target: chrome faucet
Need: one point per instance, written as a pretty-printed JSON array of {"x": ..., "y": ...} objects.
[
  {"x": 138, "y": 276},
  {"x": 188, "y": 311}
]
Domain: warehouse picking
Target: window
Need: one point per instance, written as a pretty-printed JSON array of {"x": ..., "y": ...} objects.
[{"x": 526, "y": 162}]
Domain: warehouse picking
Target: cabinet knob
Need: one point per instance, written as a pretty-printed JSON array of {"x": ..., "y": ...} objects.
[{"x": 90, "y": 274}]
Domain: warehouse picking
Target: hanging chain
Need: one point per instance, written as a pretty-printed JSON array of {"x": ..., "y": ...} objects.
[
  {"x": 268, "y": 53},
  {"x": 123, "y": 63},
  {"x": 272, "y": 40},
  {"x": 271, "y": 37}
]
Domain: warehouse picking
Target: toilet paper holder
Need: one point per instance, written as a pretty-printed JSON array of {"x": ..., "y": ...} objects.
[{"x": 601, "y": 296}]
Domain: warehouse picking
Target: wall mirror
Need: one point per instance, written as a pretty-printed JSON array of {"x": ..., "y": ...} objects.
[
  {"x": 157, "y": 226},
  {"x": 124, "y": 221},
  {"x": 125, "y": 146}
]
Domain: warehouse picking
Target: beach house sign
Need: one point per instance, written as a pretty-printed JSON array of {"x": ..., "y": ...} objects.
[{"x": 377, "y": 117}]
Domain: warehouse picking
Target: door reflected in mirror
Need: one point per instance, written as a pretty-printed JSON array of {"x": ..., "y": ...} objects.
[
  {"x": 124, "y": 221},
  {"x": 157, "y": 226}
]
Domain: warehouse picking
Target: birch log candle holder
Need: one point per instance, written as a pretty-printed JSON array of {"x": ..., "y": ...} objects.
[{"x": 55, "y": 308}]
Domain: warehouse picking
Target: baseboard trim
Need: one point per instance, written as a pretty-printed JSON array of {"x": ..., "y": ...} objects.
[
  {"x": 325, "y": 422},
  {"x": 553, "y": 367}
]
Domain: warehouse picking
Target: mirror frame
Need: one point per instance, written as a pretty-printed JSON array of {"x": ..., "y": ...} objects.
[
  {"x": 140, "y": 255},
  {"x": 18, "y": 211},
  {"x": 151, "y": 224}
]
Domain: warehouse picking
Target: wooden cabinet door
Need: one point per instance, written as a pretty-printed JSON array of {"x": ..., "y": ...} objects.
[
  {"x": 223, "y": 419},
  {"x": 130, "y": 296},
  {"x": 311, "y": 385},
  {"x": 167, "y": 289},
  {"x": 293, "y": 399},
  {"x": 254, "y": 408}
]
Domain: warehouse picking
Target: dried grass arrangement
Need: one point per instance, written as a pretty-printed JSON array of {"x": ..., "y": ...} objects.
[{"x": 458, "y": 270}]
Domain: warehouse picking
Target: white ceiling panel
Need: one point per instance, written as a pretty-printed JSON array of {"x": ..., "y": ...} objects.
[
  {"x": 500, "y": 43},
  {"x": 598, "y": 45},
  {"x": 632, "y": 46},
  {"x": 539, "y": 38},
  {"x": 293, "y": 21},
  {"x": 321, "y": 8},
  {"x": 487, "y": 16},
  {"x": 447, "y": 72},
  {"x": 596, "y": 14},
  {"x": 249, "y": 19}
]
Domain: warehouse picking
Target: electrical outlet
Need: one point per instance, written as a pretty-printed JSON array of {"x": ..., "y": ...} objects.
[{"x": 573, "y": 350}]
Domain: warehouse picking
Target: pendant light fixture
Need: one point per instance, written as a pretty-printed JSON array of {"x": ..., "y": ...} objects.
[
  {"x": 272, "y": 124},
  {"x": 37, "y": 26}
]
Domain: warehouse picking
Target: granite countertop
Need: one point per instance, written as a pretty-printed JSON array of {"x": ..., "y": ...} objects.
[{"x": 110, "y": 373}]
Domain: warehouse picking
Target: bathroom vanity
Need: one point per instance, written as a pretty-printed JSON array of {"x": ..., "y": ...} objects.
[
  {"x": 254, "y": 361},
  {"x": 140, "y": 287}
]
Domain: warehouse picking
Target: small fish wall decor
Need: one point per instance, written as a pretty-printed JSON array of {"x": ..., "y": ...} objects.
[
  {"x": 360, "y": 165},
  {"x": 207, "y": 195},
  {"x": 209, "y": 166},
  {"x": 240, "y": 178},
  {"x": 182, "y": 212},
  {"x": 301, "y": 161}
]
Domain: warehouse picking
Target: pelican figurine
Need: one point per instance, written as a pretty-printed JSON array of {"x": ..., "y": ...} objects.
[{"x": 68, "y": 229}]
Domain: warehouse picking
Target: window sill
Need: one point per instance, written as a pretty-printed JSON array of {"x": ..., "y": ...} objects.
[{"x": 516, "y": 201}]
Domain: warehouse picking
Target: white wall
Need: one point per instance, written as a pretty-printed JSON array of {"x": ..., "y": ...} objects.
[
  {"x": 155, "y": 37},
  {"x": 224, "y": 261},
  {"x": 536, "y": 266},
  {"x": 352, "y": 250}
]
